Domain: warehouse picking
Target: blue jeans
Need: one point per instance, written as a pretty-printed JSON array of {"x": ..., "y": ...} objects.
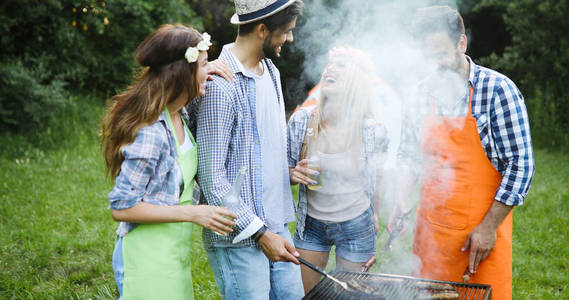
[
  {"x": 354, "y": 239},
  {"x": 118, "y": 265},
  {"x": 246, "y": 273}
]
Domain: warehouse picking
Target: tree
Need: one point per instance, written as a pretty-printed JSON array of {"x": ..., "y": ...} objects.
[
  {"x": 54, "y": 47},
  {"x": 538, "y": 60}
]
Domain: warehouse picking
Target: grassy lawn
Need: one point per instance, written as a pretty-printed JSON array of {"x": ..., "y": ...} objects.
[{"x": 57, "y": 236}]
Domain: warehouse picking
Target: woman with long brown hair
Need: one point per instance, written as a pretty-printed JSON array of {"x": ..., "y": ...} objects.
[{"x": 151, "y": 154}]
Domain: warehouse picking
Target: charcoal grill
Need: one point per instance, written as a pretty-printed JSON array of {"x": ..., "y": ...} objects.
[{"x": 392, "y": 287}]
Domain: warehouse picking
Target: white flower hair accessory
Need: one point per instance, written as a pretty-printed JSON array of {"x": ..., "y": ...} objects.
[{"x": 192, "y": 53}]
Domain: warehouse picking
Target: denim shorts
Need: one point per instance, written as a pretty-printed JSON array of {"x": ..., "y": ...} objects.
[{"x": 354, "y": 239}]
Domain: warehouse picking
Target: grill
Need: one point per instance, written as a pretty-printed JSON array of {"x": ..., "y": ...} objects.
[{"x": 395, "y": 287}]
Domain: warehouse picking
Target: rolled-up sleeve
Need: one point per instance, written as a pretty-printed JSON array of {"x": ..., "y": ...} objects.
[
  {"x": 510, "y": 126},
  {"x": 137, "y": 168},
  {"x": 214, "y": 133}
]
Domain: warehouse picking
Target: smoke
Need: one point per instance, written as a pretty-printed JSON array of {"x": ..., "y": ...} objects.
[{"x": 380, "y": 28}]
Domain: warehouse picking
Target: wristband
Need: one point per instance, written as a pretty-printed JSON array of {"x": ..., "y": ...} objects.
[{"x": 259, "y": 233}]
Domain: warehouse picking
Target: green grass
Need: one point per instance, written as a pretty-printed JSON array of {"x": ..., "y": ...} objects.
[
  {"x": 57, "y": 236},
  {"x": 541, "y": 235}
]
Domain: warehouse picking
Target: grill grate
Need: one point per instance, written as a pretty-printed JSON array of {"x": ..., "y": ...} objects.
[{"x": 391, "y": 287}]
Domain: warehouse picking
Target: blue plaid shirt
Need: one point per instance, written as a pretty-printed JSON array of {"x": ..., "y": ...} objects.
[
  {"x": 503, "y": 125},
  {"x": 228, "y": 138},
  {"x": 149, "y": 172},
  {"x": 376, "y": 145}
]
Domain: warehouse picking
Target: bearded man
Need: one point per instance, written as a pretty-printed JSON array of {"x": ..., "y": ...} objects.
[
  {"x": 242, "y": 124},
  {"x": 473, "y": 138}
]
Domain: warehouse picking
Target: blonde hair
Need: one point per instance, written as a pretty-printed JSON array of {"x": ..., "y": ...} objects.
[{"x": 357, "y": 93}]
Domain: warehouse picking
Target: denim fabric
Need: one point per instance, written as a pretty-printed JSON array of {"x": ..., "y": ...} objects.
[
  {"x": 354, "y": 239},
  {"x": 246, "y": 273},
  {"x": 118, "y": 265}
]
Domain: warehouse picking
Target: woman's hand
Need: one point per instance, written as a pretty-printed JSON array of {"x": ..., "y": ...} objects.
[
  {"x": 219, "y": 67},
  {"x": 302, "y": 172},
  {"x": 212, "y": 217}
]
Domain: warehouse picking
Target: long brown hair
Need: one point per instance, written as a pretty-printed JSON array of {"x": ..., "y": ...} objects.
[{"x": 165, "y": 77}]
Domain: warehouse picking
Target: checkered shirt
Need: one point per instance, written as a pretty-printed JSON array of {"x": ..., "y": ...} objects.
[
  {"x": 227, "y": 139},
  {"x": 375, "y": 145},
  {"x": 503, "y": 126},
  {"x": 149, "y": 172}
]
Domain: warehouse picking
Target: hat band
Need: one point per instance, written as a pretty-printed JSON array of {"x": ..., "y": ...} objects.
[{"x": 262, "y": 12}]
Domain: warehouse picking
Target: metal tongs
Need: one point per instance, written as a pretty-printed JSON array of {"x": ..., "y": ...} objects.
[
  {"x": 317, "y": 269},
  {"x": 399, "y": 224}
]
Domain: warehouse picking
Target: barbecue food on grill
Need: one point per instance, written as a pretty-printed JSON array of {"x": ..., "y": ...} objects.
[
  {"x": 433, "y": 286},
  {"x": 438, "y": 295},
  {"x": 365, "y": 286},
  {"x": 360, "y": 287},
  {"x": 427, "y": 290}
]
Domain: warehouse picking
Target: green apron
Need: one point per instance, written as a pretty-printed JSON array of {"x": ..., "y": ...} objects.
[{"x": 157, "y": 256}]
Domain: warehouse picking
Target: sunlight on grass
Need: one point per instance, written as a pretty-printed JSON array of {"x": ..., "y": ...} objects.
[{"x": 57, "y": 234}]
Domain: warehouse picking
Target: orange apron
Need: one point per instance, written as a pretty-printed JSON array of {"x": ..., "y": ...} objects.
[{"x": 458, "y": 188}]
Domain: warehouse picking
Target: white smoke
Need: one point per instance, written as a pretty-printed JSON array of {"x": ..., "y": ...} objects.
[{"x": 381, "y": 29}]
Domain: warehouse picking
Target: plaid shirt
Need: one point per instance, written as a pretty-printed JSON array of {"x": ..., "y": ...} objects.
[
  {"x": 228, "y": 138},
  {"x": 149, "y": 172},
  {"x": 375, "y": 149},
  {"x": 503, "y": 126}
]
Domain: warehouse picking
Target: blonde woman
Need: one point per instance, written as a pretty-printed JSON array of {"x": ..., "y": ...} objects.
[
  {"x": 151, "y": 154},
  {"x": 334, "y": 152}
]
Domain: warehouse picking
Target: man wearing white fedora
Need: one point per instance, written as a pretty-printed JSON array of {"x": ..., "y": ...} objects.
[{"x": 241, "y": 123}]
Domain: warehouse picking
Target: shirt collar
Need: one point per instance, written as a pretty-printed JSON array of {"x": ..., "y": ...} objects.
[
  {"x": 234, "y": 63},
  {"x": 472, "y": 72},
  {"x": 227, "y": 56},
  {"x": 162, "y": 117}
]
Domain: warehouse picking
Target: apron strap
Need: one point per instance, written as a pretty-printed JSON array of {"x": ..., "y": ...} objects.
[
  {"x": 471, "y": 88},
  {"x": 471, "y": 93}
]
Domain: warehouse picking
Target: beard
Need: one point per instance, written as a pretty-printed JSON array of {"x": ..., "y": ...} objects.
[
  {"x": 453, "y": 67},
  {"x": 269, "y": 49}
]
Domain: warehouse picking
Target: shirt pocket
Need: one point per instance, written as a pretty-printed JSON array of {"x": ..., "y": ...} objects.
[
  {"x": 483, "y": 126},
  {"x": 168, "y": 175}
]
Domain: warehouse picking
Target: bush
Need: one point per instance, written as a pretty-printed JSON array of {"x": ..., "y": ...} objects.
[
  {"x": 26, "y": 100},
  {"x": 79, "y": 46},
  {"x": 538, "y": 62}
]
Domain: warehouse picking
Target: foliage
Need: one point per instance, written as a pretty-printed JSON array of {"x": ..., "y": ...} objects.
[
  {"x": 82, "y": 46},
  {"x": 215, "y": 16},
  {"x": 25, "y": 99},
  {"x": 538, "y": 60}
]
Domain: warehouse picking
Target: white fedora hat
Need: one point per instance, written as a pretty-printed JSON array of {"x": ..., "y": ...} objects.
[{"x": 247, "y": 11}]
